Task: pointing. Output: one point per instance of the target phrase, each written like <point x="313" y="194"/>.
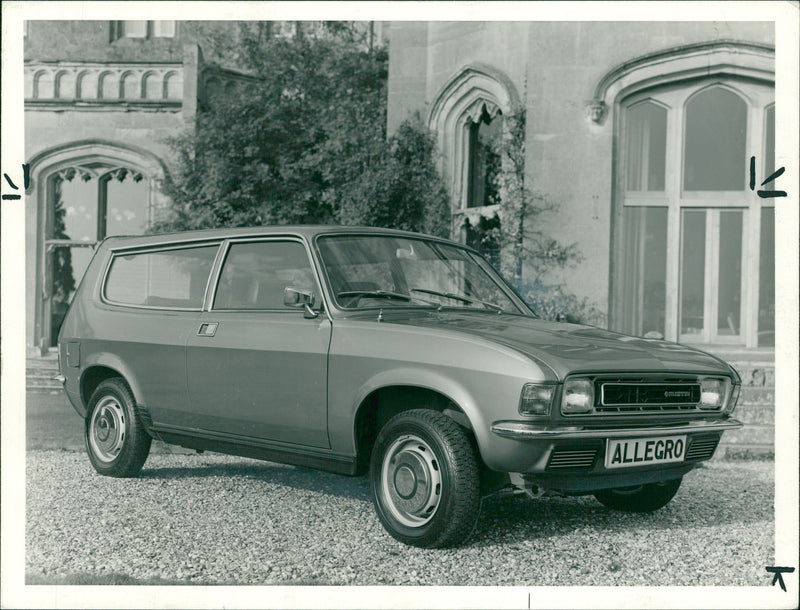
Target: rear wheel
<point x="425" y="482"/>
<point x="641" y="498"/>
<point x="116" y="441"/>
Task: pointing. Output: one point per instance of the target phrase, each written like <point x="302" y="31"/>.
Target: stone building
<point x="642" y="135"/>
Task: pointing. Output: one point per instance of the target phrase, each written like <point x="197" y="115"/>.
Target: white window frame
<point x="124" y="31"/>
<point x="158" y="28"/>
<point x="151" y="30"/>
<point x="758" y="96"/>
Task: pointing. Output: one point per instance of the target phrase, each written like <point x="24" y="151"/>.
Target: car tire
<point x="639" y="499"/>
<point x="425" y="479"/>
<point x="116" y="440"/>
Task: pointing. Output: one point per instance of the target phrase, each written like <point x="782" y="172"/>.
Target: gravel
<point x="214" y="519"/>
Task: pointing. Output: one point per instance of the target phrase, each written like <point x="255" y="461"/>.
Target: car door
<point x="256" y="368"/>
<point x="152" y="299"/>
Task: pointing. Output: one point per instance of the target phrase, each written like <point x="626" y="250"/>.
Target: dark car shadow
<point x="294" y="477"/>
<point x="518" y="518"/>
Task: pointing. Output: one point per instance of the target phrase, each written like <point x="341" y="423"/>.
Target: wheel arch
<point x="390" y="394"/>
<point x="105" y="367"/>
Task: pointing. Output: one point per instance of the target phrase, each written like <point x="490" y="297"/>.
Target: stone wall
<point x="90" y="82"/>
<point x="756" y="409"/>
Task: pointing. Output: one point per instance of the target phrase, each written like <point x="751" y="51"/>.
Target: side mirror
<point x="296" y="298"/>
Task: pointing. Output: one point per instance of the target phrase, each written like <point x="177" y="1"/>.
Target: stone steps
<point x="39" y="373"/>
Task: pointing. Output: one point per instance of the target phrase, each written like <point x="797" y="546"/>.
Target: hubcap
<point x="107" y="429"/>
<point x="411" y="481"/>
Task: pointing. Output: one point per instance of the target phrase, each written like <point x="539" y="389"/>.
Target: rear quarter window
<point x="165" y="278"/>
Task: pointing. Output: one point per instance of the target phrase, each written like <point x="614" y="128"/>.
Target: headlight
<point x="733" y="399"/>
<point x="578" y="396"/>
<point x="536" y="399"/>
<point x="713" y="393"/>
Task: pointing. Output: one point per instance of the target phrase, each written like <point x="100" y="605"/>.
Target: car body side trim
<point x="528" y="431"/>
<point x="261" y="449"/>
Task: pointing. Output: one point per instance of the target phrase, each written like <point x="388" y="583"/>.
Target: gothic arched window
<point x="695" y="262"/>
<point x="484" y="160"/>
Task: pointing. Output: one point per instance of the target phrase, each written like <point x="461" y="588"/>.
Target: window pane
<point x="769" y="144"/>
<point x="714" y="144"/>
<point x="164" y="29"/>
<point x="644" y="271"/>
<point x="693" y="265"/>
<point x="729" y="289"/>
<point x="75" y="209"/>
<point x="127" y="204"/>
<point x="68" y="264"/>
<point x="646" y="146"/>
<point x="255" y="275"/>
<point x="766" y="280"/>
<point x="484" y="236"/>
<point x="133" y="29"/>
<point x="484" y="161"/>
<point x="443" y="268"/>
<point x="174" y="278"/>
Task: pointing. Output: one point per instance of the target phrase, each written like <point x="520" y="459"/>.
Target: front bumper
<point x="528" y="431"/>
<point x="572" y="458"/>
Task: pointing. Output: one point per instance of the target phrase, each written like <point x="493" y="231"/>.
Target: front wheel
<point x="116" y="441"/>
<point x="641" y="498"/>
<point x="425" y="482"/>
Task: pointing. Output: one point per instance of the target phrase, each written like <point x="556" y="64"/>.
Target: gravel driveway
<point x="213" y="519"/>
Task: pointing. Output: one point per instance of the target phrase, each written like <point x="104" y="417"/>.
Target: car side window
<point x="255" y="274"/>
<point x="174" y="278"/>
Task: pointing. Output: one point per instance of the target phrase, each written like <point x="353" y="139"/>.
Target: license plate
<point x="644" y="451"/>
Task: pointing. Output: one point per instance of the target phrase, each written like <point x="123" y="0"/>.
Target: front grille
<point x="562" y="459"/>
<point x="645" y="394"/>
<point x="702" y="448"/>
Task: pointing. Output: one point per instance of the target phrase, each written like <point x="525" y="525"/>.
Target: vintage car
<point x="355" y="350"/>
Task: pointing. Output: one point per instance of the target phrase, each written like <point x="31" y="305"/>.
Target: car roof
<point x="306" y="231"/>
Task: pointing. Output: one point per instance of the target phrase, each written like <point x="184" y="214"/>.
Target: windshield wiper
<point x="385" y="294"/>
<point x="375" y="294"/>
<point x="460" y="297"/>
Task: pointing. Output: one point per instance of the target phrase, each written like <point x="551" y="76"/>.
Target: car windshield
<point x="368" y="271"/>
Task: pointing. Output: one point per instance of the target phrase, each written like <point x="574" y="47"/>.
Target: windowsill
<point x="485" y="210"/>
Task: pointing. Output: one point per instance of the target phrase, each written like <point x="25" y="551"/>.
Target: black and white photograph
<point x="400" y="304"/>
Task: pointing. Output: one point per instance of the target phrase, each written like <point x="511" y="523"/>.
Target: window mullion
<point x="672" y="184"/>
<point x="751" y="239"/>
<point x="711" y="298"/>
<point x="101" y="208"/>
<point x="748" y="314"/>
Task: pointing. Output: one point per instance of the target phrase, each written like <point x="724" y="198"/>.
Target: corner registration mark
<point x="644" y="451"/>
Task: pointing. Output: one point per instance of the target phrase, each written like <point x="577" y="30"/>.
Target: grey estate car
<point x="355" y="350"/>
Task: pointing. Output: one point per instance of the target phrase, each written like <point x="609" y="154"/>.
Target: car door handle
<point x="207" y="329"/>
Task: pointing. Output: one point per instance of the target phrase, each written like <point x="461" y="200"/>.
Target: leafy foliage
<point x="513" y="240"/>
<point x="553" y="302"/>
<point x="307" y="144"/>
